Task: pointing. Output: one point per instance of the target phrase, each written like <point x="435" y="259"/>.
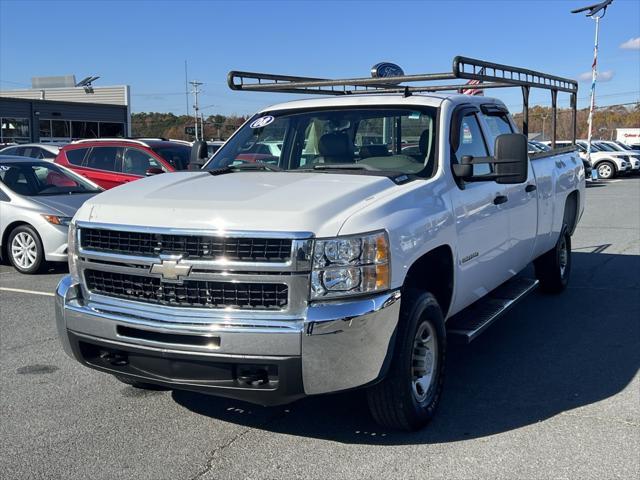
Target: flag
<point x="473" y="91"/>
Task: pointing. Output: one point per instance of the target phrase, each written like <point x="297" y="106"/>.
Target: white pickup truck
<point x="389" y="224"/>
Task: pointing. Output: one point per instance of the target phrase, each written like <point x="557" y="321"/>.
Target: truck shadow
<point x="549" y="355"/>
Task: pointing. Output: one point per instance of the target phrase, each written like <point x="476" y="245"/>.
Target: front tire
<point x="606" y="170"/>
<point x="406" y="399"/>
<point x="25" y="250"/>
<point x="554" y="267"/>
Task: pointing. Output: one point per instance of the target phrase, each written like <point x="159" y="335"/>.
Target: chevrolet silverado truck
<point x="393" y="220"/>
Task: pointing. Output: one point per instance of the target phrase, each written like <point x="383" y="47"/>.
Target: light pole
<point x="593" y="11"/>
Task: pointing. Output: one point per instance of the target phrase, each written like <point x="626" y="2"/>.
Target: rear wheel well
<point x="571" y="211"/>
<point x="433" y="272"/>
<point x="4" y="253"/>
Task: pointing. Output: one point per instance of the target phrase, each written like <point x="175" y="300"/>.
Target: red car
<point x="112" y="162"/>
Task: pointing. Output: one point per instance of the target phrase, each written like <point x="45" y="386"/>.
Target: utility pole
<point x="196" y="90"/>
<point x="592" y="11"/>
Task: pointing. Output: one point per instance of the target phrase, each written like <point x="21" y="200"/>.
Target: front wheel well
<point x="4" y="253"/>
<point x="433" y="272"/>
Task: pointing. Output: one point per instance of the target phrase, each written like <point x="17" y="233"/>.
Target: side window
<point x="472" y="143"/>
<point x="47" y="154"/>
<point x="76" y="156"/>
<point x="498" y="125"/>
<point x="104" y="158"/>
<point x="137" y="162"/>
<point x="10" y="151"/>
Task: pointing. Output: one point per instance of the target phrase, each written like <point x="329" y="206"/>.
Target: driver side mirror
<point x="153" y="171"/>
<point x="510" y="162"/>
<point x="199" y="155"/>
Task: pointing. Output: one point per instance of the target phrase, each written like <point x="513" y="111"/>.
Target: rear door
<point x="481" y="218"/>
<point x="522" y="204"/>
<point x="102" y="165"/>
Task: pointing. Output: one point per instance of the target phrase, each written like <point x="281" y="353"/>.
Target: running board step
<point x="476" y="318"/>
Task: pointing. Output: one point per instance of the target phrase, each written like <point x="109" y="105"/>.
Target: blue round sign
<point x="386" y="69"/>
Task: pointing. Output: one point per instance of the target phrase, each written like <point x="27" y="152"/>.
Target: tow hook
<point x="254" y="376"/>
<point x="115" y="359"/>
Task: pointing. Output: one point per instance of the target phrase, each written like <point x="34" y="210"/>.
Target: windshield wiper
<point x="339" y="166"/>
<point x="245" y="167"/>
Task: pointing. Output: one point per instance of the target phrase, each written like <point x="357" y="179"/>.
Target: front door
<point x="482" y="223"/>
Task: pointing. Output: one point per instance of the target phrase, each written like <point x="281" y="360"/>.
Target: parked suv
<point x="112" y="162"/>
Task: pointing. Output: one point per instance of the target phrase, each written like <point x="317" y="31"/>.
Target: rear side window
<point x="10" y="151"/>
<point x="104" y="158"/>
<point x="76" y="156"/>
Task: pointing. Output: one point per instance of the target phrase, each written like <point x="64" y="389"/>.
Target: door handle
<point x="500" y="199"/>
<point x="530" y="188"/>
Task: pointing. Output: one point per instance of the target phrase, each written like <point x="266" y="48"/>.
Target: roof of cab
<point x="430" y="100"/>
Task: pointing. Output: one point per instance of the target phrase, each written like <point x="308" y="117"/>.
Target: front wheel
<point x="553" y="268"/>
<point x="406" y="399"/>
<point x="25" y="250"/>
<point x="606" y="170"/>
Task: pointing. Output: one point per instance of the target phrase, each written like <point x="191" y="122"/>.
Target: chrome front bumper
<point x="337" y="346"/>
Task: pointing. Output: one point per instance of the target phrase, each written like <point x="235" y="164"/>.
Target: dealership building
<point x="56" y="110"/>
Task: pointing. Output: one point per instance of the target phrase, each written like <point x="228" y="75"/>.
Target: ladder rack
<point x="486" y="74"/>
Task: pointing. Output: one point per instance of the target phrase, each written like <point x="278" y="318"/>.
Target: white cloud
<point x="631" y="44"/>
<point x="604" y="76"/>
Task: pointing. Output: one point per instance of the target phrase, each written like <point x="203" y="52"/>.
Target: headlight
<point x="72" y="253"/>
<point x="352" y="265"/>
<point x="57" y="220"/>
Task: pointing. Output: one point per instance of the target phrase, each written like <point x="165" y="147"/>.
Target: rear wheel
<point x="553" y="268"/>
<point x="407" y="397"/>
<point x="25" y="250"/>
<point x="606" y="170"/>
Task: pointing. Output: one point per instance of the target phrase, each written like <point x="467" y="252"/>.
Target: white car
<point x="342" y="264"/>
<point x="632" y="155"/>
<point x="37" y="201"/>
<point x="44" y="151"/>
<point x="607" y="164"/>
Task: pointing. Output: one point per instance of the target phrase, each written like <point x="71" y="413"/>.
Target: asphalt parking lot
<point x="551" y="391"/>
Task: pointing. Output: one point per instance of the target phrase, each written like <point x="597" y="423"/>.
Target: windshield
<point x="392" y="139"/>
<point x="606" y="148"/>
<point x="34" y="179"/>
<point x="176" y="155"/>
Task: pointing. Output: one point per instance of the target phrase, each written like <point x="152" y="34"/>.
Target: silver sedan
<point x="37" y="201"/>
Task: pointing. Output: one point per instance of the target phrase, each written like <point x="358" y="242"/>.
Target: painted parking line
<point x="31" y="292"/>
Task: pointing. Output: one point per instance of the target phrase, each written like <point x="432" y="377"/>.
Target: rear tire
<point x="406" y="399"/>
<point x="554" y="267"/>
<point x="606" y="170"/>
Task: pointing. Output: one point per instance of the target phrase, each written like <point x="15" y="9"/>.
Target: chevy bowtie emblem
<point x="170" y="268"/>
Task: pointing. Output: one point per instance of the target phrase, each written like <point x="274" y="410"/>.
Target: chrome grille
<point x="191" y="246"/>
<point x="190" y="293"/>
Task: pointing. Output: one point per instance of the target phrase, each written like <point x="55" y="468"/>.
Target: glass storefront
<point x="14" y="130"/>
<point x="66" y="130"/>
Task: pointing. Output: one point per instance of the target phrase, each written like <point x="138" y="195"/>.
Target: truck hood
<point x="318" y="203"/>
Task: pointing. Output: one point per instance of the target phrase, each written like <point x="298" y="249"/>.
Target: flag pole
<point x="594" y="77"/>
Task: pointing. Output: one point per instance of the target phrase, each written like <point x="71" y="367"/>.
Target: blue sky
<point x="144" y="44"/>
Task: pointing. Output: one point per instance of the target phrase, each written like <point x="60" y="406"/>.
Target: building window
<point x="60" y="129"/>
<point x="108" y="129"/>
<point x="14" y="130"/>
<point x="45" y="129"/>
<point x="84" y="130"/>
